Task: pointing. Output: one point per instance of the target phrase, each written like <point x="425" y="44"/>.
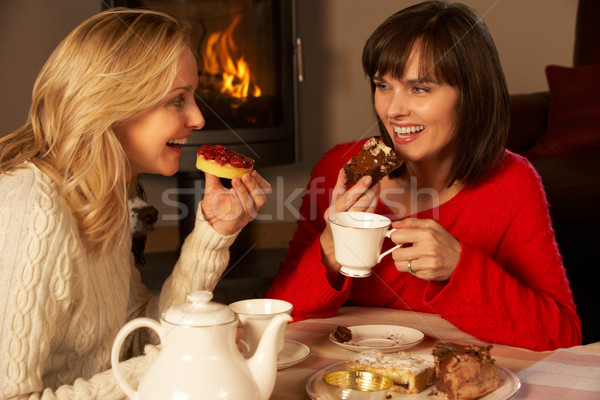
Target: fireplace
<point x="246" y="53"/>
<point x="248" y="60"/>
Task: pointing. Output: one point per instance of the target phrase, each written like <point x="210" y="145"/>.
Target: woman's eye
<point x="420" y="89"/>
<point x="380" y="85"/>
<point x="177" y="102"/>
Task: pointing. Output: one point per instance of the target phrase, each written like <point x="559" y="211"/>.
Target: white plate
<point x="385" y="338"/>
<point x="293" y="352"/>
<point x="508" y="387"/>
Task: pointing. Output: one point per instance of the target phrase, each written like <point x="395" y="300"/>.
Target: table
<point x="572" y="373"/>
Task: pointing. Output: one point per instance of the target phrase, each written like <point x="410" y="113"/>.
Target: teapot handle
<point x="116" y="350"/>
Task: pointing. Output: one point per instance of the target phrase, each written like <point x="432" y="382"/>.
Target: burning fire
<point x="238" y="80"/>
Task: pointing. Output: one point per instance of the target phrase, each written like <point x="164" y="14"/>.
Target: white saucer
<point x="508" y="387"/>
<point x="293" y="353"/>
<point x="385" y="338"/>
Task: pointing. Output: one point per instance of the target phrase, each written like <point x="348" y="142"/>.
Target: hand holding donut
<point x="229" y="210"/>
<point x="434" y="253"/>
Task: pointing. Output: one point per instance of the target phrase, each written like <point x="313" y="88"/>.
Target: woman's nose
<point x="398" y="105"/>
<point x="195" y="118"/>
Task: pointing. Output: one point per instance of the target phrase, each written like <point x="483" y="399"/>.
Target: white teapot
<point x="199" y="357"/>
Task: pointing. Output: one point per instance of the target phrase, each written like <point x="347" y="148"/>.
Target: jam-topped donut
<point x="223" y="162"/>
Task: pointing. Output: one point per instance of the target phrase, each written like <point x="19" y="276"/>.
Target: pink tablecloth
<point x="572" y="373"/>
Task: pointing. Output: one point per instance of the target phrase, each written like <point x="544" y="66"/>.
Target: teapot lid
<point x="199" y="311"/>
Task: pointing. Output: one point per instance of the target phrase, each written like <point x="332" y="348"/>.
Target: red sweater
<point x="509" y="286"/>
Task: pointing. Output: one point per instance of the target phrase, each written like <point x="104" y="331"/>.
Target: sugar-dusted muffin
<point x="411" y="373"/>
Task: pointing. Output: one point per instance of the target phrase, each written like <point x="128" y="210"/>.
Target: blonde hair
<point x="111" y="68"/>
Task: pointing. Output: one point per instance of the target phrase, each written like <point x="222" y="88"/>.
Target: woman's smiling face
<point x="418" y="113"/>
<point x="152" y="141"/>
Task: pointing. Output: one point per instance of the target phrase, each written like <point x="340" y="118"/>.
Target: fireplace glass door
<point x="237" y="64"/>
<point x="245" y="50"/>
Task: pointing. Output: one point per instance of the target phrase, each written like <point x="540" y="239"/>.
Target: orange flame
<point x="238" y="80"/>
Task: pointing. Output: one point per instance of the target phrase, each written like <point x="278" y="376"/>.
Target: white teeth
<point x="407" y="130"/>
<point x="178" y="141"/>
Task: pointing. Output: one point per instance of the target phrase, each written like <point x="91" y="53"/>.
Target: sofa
<point x="559" y="132"/>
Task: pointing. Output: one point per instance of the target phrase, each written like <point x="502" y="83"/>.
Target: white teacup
<point x="255" y="315"/>
<point x="357" y="241"/>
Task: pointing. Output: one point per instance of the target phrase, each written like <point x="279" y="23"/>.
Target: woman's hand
<point x="229" y="210"/>
<point x="434" y="253"/>
<point x="360" y="197"/>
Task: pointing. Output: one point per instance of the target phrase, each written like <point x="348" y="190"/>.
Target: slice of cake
<point x="464" y="372"/>
<point x="375" y="159"/>
<point x="343" y="334"/>
<point x="411" y="373"/>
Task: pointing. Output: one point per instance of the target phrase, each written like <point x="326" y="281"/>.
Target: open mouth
<point x="176" y="143"/>
<point x="405" y="132"/>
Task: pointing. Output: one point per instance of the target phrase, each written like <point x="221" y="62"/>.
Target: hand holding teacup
<point x="434" y="253"/>
<point x="361" y="197"/>
<point x="357" y="239"/>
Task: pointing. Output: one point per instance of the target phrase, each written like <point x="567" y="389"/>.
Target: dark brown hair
<point x="457" y="50"/>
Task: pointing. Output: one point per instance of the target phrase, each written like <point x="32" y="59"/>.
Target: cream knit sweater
<point x="61" y="307"/>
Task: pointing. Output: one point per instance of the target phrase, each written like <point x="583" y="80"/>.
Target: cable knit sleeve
<point x="204" y="257"/>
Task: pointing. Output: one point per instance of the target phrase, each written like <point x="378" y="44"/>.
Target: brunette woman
<point x="479" y="245"/>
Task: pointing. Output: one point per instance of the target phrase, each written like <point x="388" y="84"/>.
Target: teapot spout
<point x="263" y="364"/>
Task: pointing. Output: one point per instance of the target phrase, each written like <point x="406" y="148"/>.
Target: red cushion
<point x="574" y="115"/>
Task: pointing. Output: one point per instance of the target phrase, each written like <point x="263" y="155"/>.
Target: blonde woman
<point x="115" y="99"/>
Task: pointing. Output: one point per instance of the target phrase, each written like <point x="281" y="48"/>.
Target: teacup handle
<point x="388" y="235"/>
<point x="245" y="348"/>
